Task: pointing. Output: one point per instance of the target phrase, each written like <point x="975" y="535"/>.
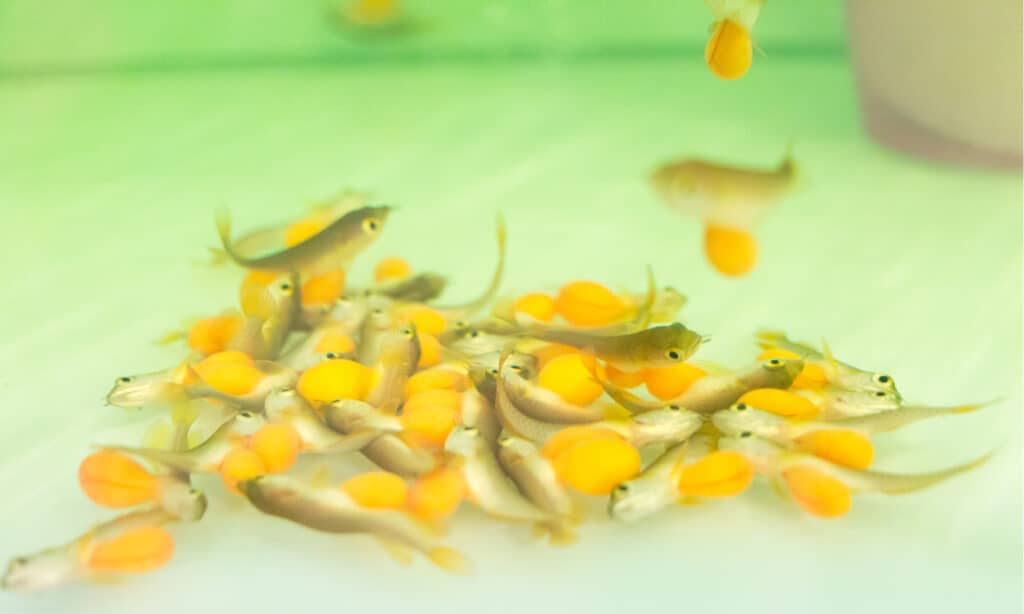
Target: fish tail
<point x="223" y="221"/>
<point x="788" y="167"/>
<point x="966" y="409"/>
<point x="171" y="336"/>
<point x="767" y="339"/>
<point x="218" y="257"/>
<point x="450" y="560"/>
<point x="893" y="484"/>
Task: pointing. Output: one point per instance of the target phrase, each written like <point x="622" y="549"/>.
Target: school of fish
<point x="526" y="407"/>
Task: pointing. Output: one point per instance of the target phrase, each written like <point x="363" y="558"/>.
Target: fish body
<point x="144" y="389"/>
<point x="330" y="249"/>
<point x="275" y="376"/>
<point x="535" y="478"/>
<point x="658" y="346"/>
<point x="398" y="359"/>
<point x="385" y="448"/>
<point x="285" y="406"/>
<point x="655" y="488"/>
<point x="542" y="404"/>
<point x="836" y="403"/>
<point x="272" y="312"/>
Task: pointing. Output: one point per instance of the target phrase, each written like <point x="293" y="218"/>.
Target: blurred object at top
<point x="730" y="48"/>
<point x="941" y="79"/>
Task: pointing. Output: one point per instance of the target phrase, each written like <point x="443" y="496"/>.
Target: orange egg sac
<point x="730" y="251"/>
<point x="729" y="51"/>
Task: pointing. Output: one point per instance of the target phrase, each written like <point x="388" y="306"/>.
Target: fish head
<point x="634" y="500"/>
<point x="464" y="441"/>
<point x="852" y="403"/>
<point x="42" y="570"/>
<point x="775" y="373"/>
<point x="279" y="400"/>
<point x="515" y="448"/>
<point x="352" y="414"/>
<point x="669" y="424"/>
<point x="855" y="379"/>
<point x="760" y="452"/>
<point x="678" y="182"/>
<point x="181" y="500"/>
<point x="471" y="341"/>
<point x="740" y="417"/>
<point x="667" y="345"/>
<point x="367" y="222"/>
<point x="347" y="312"/>
<point x="247" y="422"/>
<point x="134" y="391"/>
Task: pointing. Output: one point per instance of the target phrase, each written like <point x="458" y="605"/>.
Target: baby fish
<point x="655" y="347"/>
<point x="824" y="488"/>
<point x="836" y="403"/>
<point x="836" y="373"/>
<point x="478" y="412"/>
<point x="285" y="406"/>
<point x="241" y="384"/>
<point x="419" y="288"/>
<point x="891" y="420"/>
<point x="207" y="456"/>
<point x="397" y="361"/>
<point x="655" y="488"/>
<point x="377" y="323"/>
<point x="272" y="312"/>
<point x="472" y="341"/>
<point x="729" y="200"/>
<point x="542" y="404"/>
<point x="387" y="450"/>
<point x="330" y="249"/>
<point x="716" y="391"/>
<point x="487" y="485"/>
<point x="144" y="389"/>
<point x="132" y="543"/>
<point x="534" y="476"/>
<point x="331" y="510"/>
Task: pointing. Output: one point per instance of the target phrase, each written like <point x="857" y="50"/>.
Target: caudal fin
<point x="450" y="560"/>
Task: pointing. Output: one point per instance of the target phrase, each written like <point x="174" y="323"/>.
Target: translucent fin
<point x="827" y="352"/>
<point x="712" y="368"/>
<point x="159" y="435"/>
<point x="401" y="553"/>
<point x="450" y="560"/>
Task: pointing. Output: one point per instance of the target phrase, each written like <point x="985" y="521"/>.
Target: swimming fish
<point x="836" y="403"/>
<point x="714" y="391"/>
<point x="729" y="201"/>
<point x="487" y="484"/>
<point x="135" y="542"/>
<point x="419" y="288"/>
<point x="399" y="355"/>
<point x="207" y="456"/>
<point x="330" y="249"/>
<point x="240" y="384"/>
<point x="387" y="450"/>
<point x="535" y="478"/>
<point x="655" y="488"/>
<point x="824" y="488"/>
<point x="144" y="389"/>
<point x="654" y="347"/>
<point x="271" y="314"/>
<point x="285" y="406"/>
<point x="331" y="510"/>
<point x="729" y="51"/>
<point x="377" y="323"/>
<point x="466" y="310"/>
<point x="478" y="412"/>
<point x="542" y="404"/>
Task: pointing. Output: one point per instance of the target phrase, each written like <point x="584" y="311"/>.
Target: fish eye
<point x="746" y="434"/>
<point x="516" y="367"/>
<point x="192" y="492"/>
<point x="406" y="332"/>
<point x="883" y="379"/>
<point x="773" y="363"/>
<point x="378" y="311"/>
<point x="622" y="488"/>
<point x="371" y="224"/>
<point x="330" y="355"/>
<point x="287" y="390"/>
<point x="673" y="354"/>
<point x="473" y="334"/>
<point x="674" y="408"/>
<point x="19" y="562"/>
<point x="285" y="286"/>
<point x="124" y="380"/>
<point x="741" y="407"/>
<point x="492" y="371"/>
<point x="460" y="324"/>
<point x="471" y="431"/>
<point x="245" y="414"/>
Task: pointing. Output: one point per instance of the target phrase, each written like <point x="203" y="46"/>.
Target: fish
<point x="658" y="346"/>
<point x="465" y="310"/>
<point x="377" y="323"/>
<point x="418" y="288"/>
<point x="714" y="391"/>
<point x="535" y="478"/>
<point x="333" y="247"/>
<point x="655" y="488"/>
<point x="270" y="377"/>
<point x="207" y="456"/>
<point x="145" y="389"/>
<point x="271" y="314"/>
<point x="837" y="373"/>
<point x="664" y="425"/>
<point x="836" y="403"/>
<point x="131" y="543"/>
<point x="728" y="200"/>
<point x="542" y="404"/>
<point x="478" y="412"/>
<point x="467" y="340"/>
<point x="331" y="510"/>
<point x="398" y="358"/>
<point x="387" y="450"/>
<point x="486" y="483"/>
<point x="285" y="406"/>
<point x="907" y="414"/>
<point x="824" y="488"/>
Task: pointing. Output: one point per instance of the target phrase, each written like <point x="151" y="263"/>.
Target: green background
<point x="124" y="126"/>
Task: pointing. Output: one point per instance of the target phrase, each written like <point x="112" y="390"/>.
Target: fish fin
<point x="106" y="578"/>
<point x="269" y="328"/>
<point x="539" y="531"/>
<point x="827" y="352"/>
<point x="223" y="222"/>
<point x="172" y="336"/>
<point x="321" y="477"/>
<point x="401" y="553"/>
<point x="450" y="560"/>
<point x="712" y="368"/>
<point x="159" y="435"/>
<point x="966" y="409"/>
<point x="767" y="339"/>
<point x="577" y="513"/>
<point x="559" y="534"/>
<point x="898" y="484"/>
<point x="779" y="487"/>
<point x="217" y="257"/>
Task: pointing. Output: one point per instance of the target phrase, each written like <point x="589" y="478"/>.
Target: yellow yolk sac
<point x="138" y="551"/>
<point x="335" y="379"/>
<point x="335" y="341"/>
<point x="377" y="490"/>
<point x="229" y="357"/>
<point x="780" y="402"/>
<point x="373" y="12"/>
<point x="551" y="351"/>
<point x="259" y="278"/>
<point x="324" y="288"/>
<point x="729" y="51"/>
<point x="230" y="376"/>
<point x="302" y="230"/>
<point x="428" y="321"/>
<point x="435" y="379"/>
<point x="723" y="473"/>
<point x="731" y="251"/>
<point x="812" y="376"/>
<point x="671" y="381"/>
<point x="431" y="415"/>
<point x="211" y="335"/>
<point x="112" y="479"/>
<point x="842" y="447"/>
<point x="569" y="378"/>
<point x="437" y="494"/>
<point x="430" y="351"/>
<point x="570" y="436"/>
<point x="624" y="379"/>
<point x="587" y="303"/>
<point x="277" y="446"/>
<point x="391" y="269"/>
<point x="537" y="305"/>
<point x="595" y="466"/>
<point x="817" y="493"/>
<point x="239" y="465"/>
